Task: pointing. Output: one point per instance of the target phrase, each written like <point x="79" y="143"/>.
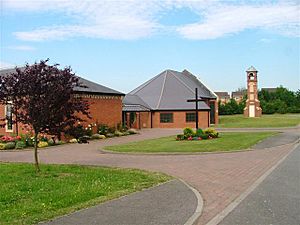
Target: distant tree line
<point x="281" y="101"/>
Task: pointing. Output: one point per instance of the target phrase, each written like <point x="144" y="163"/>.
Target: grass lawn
<point x="275" y="120"/>
<point x="226" y="142"/>
<point x="27" y="197"/>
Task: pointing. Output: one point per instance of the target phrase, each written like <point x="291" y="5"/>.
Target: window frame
<point x="164" y="121"/>
<point x="186" y="117"/>
<point x="7" y="129"/>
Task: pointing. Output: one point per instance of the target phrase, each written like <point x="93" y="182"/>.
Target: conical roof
<point x="170" y="90"/>
<point x="251" y="69"/>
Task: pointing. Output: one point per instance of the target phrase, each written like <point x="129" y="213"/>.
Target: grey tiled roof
<point x="222" y="94"/>
<point x="90" y="87"/>
<point x="170" y="90"/>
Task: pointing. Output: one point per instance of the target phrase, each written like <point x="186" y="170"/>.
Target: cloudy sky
<point x="121" y="44"/>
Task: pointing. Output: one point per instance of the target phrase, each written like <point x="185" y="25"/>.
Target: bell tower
<point x="252" y="108"/>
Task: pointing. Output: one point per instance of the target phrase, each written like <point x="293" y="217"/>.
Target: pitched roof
<point x="170" y="90"/>
<point x="222" y="94"/>
<point x="251" y="69"/>
<point x="90" y="87"/>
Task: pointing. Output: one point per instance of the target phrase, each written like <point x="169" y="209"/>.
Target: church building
<point x="105" y="105"/>
<point x="162" y="102"/>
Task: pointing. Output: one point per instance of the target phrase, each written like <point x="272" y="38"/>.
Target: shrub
<point x="42" y="144"/>
<point x="102" y="129"/>
<point x="118" y="133"/>
<point x="102" y="136"/>
<point x="180" y="137"/>
<point x="204" y="136"/>
<point x="2" y="146"/>
<point x="60" y="142"/>
<point x="109" y="135"/>
<point x="211" y="132"/>
<point x="111" y="130"/>
<point x="10" y="145"/>
<point x="132" y="131"/>
<point x="83" y="139"/>
<point x="96" y="136"/>
<point x="43" y="138"/>
<point x="74" y="140"/>
<point x="126" y="133"/>
<point x="51" y="142"/>
<point x="20" y="145"/>
<point x="188" y="132"/>
<point x="199" y="132"/>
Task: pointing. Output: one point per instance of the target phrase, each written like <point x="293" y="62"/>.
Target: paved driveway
<point x="220" y="178"/>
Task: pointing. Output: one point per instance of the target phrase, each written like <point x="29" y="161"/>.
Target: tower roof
<point x="251" y="69"/>
<point x="170" y="90"/>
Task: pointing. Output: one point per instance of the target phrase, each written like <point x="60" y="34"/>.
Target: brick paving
<point x="220" y="178"/>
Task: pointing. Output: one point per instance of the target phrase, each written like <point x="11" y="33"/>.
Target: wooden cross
<point x="196" y="100"/>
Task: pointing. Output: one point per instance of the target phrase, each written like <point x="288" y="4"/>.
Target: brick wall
<point x="179" y="120"/>
<point x="103" y="109"/>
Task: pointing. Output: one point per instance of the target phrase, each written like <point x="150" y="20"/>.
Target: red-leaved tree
<point x="44" y="98"/>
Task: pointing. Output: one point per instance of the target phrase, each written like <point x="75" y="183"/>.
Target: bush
<point x="188" y="132"/>
<point x="102" y="129"/>
<point x="83" y="139"/>
<point x="199" y="132"/>
<point x="74" y="140"/>
<point x="20" y="145"/>
<point x="211" y="132"/>
<point x="2" y="146"/>
<point x="10" y="145"/>
<point x="51" y="142"/>
<point x="293" y="109"/>
<point x="60" y="142"/>
<point x="204" y="136"/>
<point x="126" y="133"/>
<point x="118" y="133"/>
<point x="96" y="136"/>
<point x="180" y="137"/>
<point x="132" y="131"/>
<point x="109" y="135"/>
<point x="42" y="144"/>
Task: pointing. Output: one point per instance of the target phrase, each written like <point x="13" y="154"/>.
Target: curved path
<point x="158" y="205"/>
<point x="220" y="178"/>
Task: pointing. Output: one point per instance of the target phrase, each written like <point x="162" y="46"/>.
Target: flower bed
<point x="190" y="135"/>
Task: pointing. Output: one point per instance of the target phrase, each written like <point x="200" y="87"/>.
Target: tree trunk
<point x="36" y="159"/>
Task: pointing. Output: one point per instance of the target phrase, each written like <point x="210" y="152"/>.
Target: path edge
<point x="198" y="211"/>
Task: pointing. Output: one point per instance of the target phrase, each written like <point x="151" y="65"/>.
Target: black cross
<point x="196" y="100"/>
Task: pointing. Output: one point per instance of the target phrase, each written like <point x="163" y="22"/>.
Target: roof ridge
<point x="134" y="91"/>
<point x="162" y="89"/>
<point x="183" y="82"/>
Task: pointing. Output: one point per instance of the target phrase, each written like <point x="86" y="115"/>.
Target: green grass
<point x="28" y="198"/>
<point x="226" y="142"/>
<point x="275" y="120"/>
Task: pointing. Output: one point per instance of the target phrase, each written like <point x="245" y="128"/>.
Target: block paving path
<point x="220" y="178"/>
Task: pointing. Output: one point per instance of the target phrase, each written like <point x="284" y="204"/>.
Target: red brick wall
<point x="103" y="109"/>
<point x="179" y="120"/>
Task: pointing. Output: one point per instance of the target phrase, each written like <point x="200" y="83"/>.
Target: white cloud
<point x="5" y="65"/>
<point x="133" y="19"/>
<point x="224" y="20"/>
<point x="21" y="48"/>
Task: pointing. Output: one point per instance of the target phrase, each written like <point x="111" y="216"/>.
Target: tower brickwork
<point x="252" y="108"/>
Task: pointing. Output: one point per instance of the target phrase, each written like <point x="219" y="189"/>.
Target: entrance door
<point x="251" y="110"/>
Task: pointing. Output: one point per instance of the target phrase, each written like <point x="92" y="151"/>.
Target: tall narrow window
<point x="166" y="117"/>
<point x="9" y="118"/>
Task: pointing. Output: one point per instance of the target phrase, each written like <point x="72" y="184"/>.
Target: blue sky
<point x="122" y="44"/>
